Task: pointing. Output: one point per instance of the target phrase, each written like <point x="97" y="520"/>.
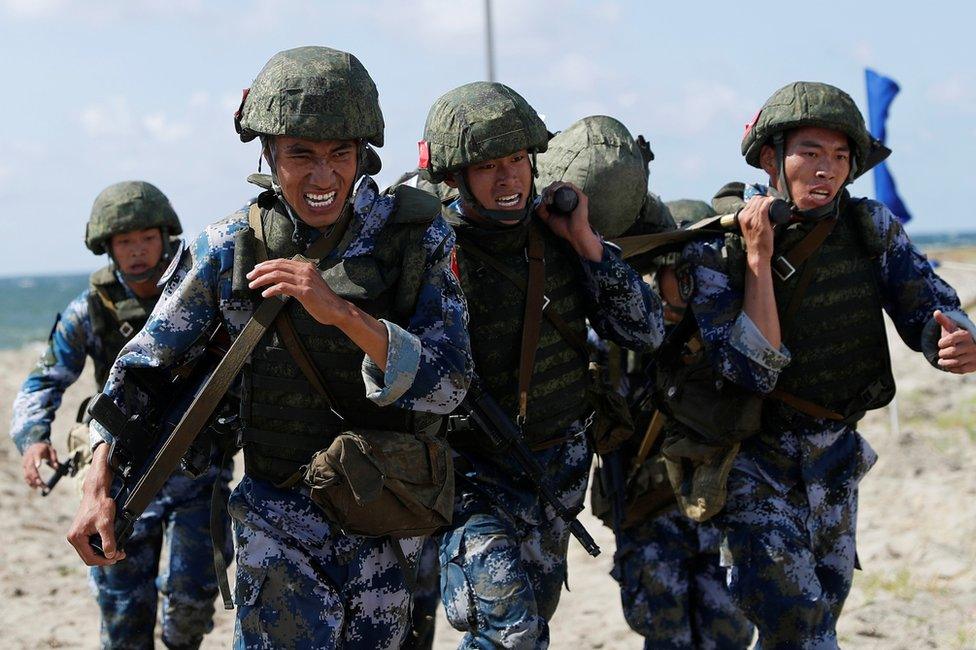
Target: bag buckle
<point x="783" y="269"/>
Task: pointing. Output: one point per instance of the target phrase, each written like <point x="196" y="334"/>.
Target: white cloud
<point x="863" y="53"/>
<point x="117" y="120"/>
<point x="113" y="118"/>
<point x="32" y="8"/>
<point x="162" y="128"/>
<point x="957" y="91"/>
<point x="199" y="99"/>
<point x="577" y="73"/>
<point x="699" y="106"/>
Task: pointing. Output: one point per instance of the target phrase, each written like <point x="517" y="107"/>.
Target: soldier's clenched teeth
<point x="320" y="200"/>
<point x="510" y="201"/>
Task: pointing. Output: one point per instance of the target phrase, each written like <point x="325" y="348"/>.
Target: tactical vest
<point x="837" y="337"/>
<point x="115" y="317"/>
<point x="285" y="420"/>
<point x="557" y="392"/>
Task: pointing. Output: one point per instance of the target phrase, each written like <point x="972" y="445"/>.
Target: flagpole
<point x="489" y="45"/>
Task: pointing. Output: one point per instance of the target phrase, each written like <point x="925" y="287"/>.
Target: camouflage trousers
<point x="790" y="544"/>
<point x="501" y="577"/>
<point x="301" y="583"/>
<point x="425" y="598"/>
<point x="673" y="589"/>
<point x="178" y="520"/>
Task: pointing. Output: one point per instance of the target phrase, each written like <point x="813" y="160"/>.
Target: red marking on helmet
<point x="240" y="110"/>
<point x="454" y="265"/>
<point x="424" y="161"/>
<point x="751" y="123"/>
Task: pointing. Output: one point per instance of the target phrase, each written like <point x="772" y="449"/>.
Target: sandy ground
<point x="917" y="530"/>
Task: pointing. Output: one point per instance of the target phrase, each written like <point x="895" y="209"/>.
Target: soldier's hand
<point x="96" y="514"/>
<point x="34" y="455"/>
<point x="303" y="282"/>
<point x="957" y="350"/>
<point x="757" y="231"/>
<point x="576" y="227"/>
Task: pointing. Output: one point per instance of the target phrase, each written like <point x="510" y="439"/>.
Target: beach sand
<point x="917" y="530"/>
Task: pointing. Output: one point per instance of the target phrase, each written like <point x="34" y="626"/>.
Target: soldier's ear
<point x="767" y="160"/>
<point x="449" y="181"/>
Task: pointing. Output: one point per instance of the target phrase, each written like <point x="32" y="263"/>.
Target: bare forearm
<point x="366" y="332"/>
<point x="98" y="480"/>
<point x="759" y="301"/>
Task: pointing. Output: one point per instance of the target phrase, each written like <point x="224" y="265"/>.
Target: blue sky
<point x="102" y="91"/>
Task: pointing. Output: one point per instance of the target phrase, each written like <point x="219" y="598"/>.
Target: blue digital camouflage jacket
<point x="429" y="360"/>
<point x="910" y="291"/>
<point x="72" y="340"/>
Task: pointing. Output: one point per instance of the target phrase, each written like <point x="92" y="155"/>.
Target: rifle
<point x="487" y="416"/>
<point x="68" y="468"/>
<point x="140" y="464"/>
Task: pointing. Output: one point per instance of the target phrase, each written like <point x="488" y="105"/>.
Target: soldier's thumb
<point x="948" y="325"/>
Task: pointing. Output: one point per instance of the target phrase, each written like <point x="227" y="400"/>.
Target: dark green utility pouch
<point x="378" y="483"/>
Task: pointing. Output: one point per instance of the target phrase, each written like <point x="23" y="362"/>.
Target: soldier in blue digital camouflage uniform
<point x="672" y="586"/>
<point x="809" y="335"/>
<point x="134" y="223"/>
<point x="503" y="562"/>
<point x="301" y="581"/>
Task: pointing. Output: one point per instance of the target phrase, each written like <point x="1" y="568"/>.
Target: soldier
<point x="672" y="586"/>
<point x="375" y="331"/>
<point x="503" y="561"/>
<point x="136" y="225"/>
<point x="795" y="314"/>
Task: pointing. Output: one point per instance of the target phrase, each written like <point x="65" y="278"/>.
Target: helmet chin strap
<point x="832" y="209"/>
<point x="498" y="215"/>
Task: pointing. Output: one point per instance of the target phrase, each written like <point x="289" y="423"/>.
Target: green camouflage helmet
<point x="314" y="93"/>
<point x="687" y="212"/>
<point x="476" y="122"/>
<point x="806" y="103"/>
<point x="599" y="156"/>
<point x="654" y="218"/>
<point x="128" y="206"/>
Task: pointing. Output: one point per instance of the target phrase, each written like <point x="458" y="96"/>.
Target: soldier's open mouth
<point x="510" y="201"/>
<point x="321" y="200"/>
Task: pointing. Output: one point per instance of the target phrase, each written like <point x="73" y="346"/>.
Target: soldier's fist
<point x="957" y="349"/>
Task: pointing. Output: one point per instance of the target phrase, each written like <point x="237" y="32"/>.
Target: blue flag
<point x="881" y="92"/>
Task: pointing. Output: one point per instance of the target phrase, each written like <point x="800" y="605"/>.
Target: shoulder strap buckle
<point x="783" y="269"/>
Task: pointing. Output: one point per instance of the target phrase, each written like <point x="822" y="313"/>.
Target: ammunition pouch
<point x="715" y="411"/>
<point x="612" y="423"/>
<point x="378" y="483"/>
<point x="698" y="473"/>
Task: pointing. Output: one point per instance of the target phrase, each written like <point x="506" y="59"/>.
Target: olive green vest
<point x="115" y="317"/>
<point x="557" y="392"/>
<point x="837" y="337"/>
<point x="286" y="420"/>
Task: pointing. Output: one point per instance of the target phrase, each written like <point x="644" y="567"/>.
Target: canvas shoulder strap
<point x="557" y="321"/>
<point x="532" y="320"/>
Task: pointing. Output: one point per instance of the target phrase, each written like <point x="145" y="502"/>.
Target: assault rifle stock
<point x="146" y="450"/>
<point x="487" y="416"/>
